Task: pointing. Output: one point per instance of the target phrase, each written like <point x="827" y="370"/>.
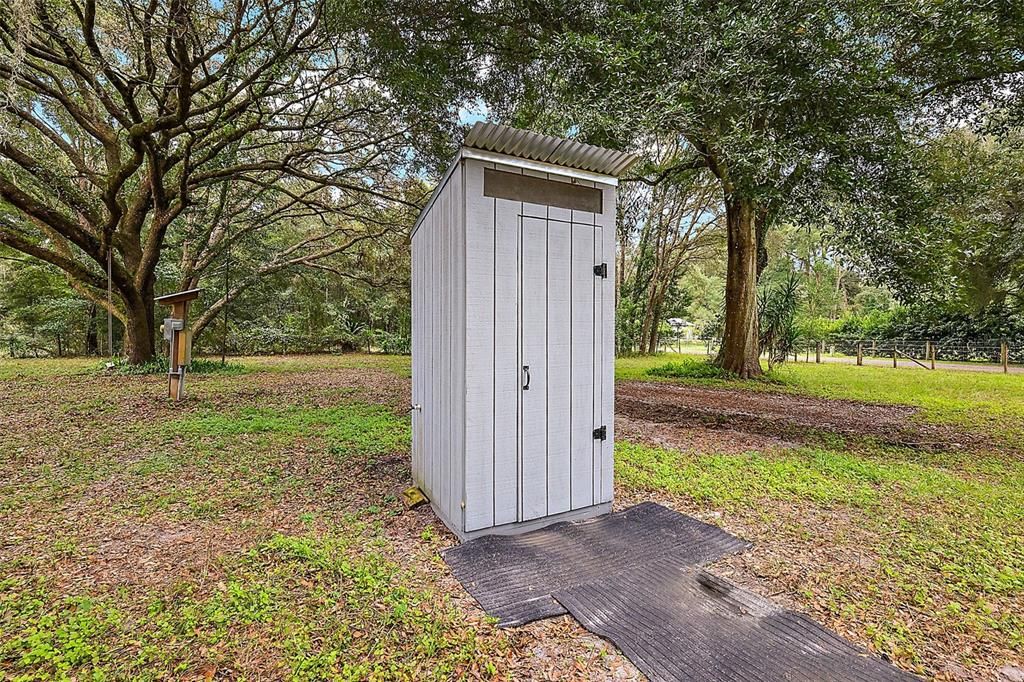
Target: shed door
<point x="560" y="355"/>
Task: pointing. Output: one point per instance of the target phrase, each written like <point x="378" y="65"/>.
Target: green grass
<point x="279" y="506"/>
<point x="349" y="429"/>
<point x="332" y="606"/>
<point x="945" y="396"/>
<point x="946" y="541"/>
<point x="44" y="367"/>
<point x="60" y="367"/>
<point x="730" y="480"/>
<point x="160" y="366"/>
<point x="400" y="365"/>
<point x="319" y="576"/>
<point x="688" y="368"/>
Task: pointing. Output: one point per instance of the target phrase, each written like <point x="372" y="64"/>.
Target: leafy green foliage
<point x="161" y="365"/>
<point x="69" y="638"/>
<point x="689" y="368"/>
<point x="332" y="608"/>
<point x="315" y="312"/>
<point x="39" y="312"/>
<point x="663" y="232"/>
<point x="958" y="250"/>
<point x="776" y="309"/>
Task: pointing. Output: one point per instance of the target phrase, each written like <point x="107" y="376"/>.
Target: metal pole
<point x="227" y="284"/>
<point x="110" y="307"/>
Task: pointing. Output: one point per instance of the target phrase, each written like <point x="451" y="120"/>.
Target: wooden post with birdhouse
<point x="178" y="335"/>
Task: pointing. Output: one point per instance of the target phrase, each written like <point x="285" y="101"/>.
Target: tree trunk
<point x="92" y="339"/>
<point x="653" y="332"/>
<point x="645" y="329"/>
<point x="140" y="327"/>
<point x="740" y="353"/>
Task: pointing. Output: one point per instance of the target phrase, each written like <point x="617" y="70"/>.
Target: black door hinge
<point x="601" y="270"/>
<point x="601" y="433"/>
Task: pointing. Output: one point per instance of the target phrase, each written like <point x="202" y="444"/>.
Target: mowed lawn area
<point x="255" y="530"/>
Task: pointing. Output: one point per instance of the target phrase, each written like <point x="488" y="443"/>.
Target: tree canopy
<point x="133" y="129"/>
<point x="225" y="144"/>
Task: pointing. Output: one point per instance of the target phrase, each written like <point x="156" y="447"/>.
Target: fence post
<point x="1005" y="348"/>
<point x="894" y="365"/>
<point x="935" y="351"/>
<point x="874" y="347"/>
<point x="860" y="353"/>
<point x="817" y="352"/>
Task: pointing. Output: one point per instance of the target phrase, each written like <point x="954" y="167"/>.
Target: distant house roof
<point x="548" y="149"/>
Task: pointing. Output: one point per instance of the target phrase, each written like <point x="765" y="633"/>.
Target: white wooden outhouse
<point x="513" y="305"/>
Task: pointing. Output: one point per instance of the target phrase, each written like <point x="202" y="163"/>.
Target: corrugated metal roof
<point x="548" y="149"/>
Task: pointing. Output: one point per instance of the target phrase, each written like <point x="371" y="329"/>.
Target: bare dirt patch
<point x="767" y="418"/>
<point x="310" y="388"/>
<point x="695" y="438"/>
<point x="883" y="573"/>
<point x="549" y="649"/>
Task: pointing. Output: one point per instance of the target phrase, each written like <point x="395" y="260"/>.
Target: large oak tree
<point x="783" y="103"/>
<point x="130" y="129"/>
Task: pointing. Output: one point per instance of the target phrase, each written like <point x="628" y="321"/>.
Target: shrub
<point x="689" y="369"/>
<point x="160" y="366"/>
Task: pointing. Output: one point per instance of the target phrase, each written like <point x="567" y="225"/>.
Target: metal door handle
<point x="526" y="370"/>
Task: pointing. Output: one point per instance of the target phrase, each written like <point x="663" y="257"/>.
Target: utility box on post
<point x="178" y="335"/>
<point x="513" y="299"/>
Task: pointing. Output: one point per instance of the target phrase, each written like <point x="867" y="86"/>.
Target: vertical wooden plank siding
<point x="417" y="359"/>
<point x="439" y="350"/>
<point x="437" y="404"/>
<point x="457" y="371"/>
<point x="499" y="284"/>
<point x="431" y="408"/>
<point x="414" y="267"/>
<point x="480" y="340"/>
<point x="559" y="376"/>
<point x="597" y="402"/>
<point x="607" y="373"/>
<point x="533" y="340"/>
<point x="479" y="350"/>
<point x="582" y="365"/>
<point x="426" y="358"/>
<point x="507" y="361"/>
<point x="444" y="294"/>
<point x="584" y="348"/>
